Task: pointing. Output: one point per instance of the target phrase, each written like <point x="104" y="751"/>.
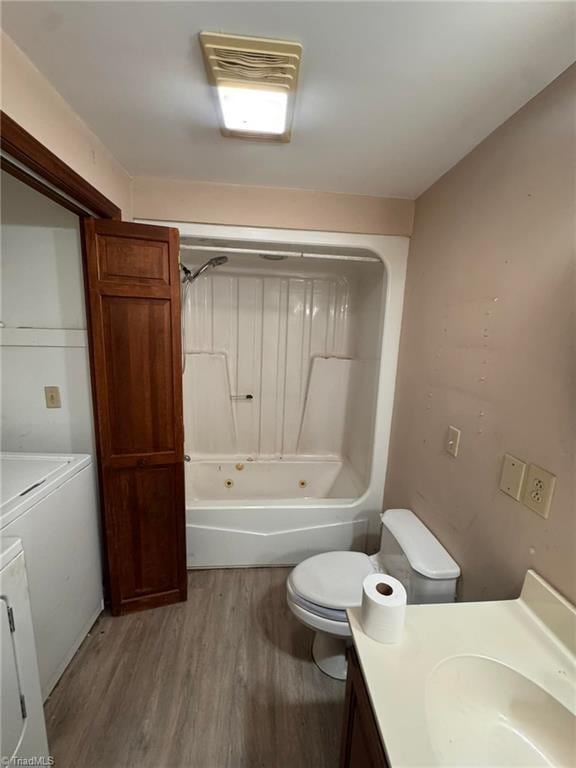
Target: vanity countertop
<point x="464" y="673"/>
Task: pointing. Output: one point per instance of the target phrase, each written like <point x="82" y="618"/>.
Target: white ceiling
<point x="392" y="94"/>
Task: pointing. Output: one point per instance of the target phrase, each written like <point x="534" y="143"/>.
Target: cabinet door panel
<point x="132" y="278"/>
<point x="361" y="744"/>
<point x="138" y="261"/>
<point x="138" y="342"/>
<point x="142" y="521"/>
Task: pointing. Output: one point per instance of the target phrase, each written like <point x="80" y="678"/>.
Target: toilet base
<point x="329" y="654"/>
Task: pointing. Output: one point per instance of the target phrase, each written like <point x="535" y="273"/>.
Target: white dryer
<point x="23" y="730"/>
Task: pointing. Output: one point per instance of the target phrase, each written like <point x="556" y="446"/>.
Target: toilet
<point x="320" y="588"/>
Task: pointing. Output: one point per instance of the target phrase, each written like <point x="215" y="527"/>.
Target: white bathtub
<point x="272" y="512"/>
<point x="298" y="479"/>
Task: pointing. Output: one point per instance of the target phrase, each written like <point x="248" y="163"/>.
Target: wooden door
<point x="133" y="290"/>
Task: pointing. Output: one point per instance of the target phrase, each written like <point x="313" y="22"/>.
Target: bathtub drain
<point x="302" y="483"/>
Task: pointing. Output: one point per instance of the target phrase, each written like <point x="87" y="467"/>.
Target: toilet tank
<point x="413" y="555"/>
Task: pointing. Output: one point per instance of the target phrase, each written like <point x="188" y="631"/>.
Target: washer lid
<point x="333" y="579"/>
<point x="21" y="474"/>
<point x="424" y="552"/>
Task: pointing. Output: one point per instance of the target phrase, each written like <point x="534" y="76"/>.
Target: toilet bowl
<point x="322" y="587"/>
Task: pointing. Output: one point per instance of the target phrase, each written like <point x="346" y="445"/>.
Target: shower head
<point x="189" y="276"/>
<point x="217" y="261"/>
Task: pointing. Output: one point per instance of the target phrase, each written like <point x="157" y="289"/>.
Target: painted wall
<point x="33" y="103"/>
<point x="204" y="203"/>
<point x="43" y="337"/>
<point x="488" y="346"/>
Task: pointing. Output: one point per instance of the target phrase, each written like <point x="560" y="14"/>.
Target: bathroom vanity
<point x="361" y="744"/>
<point x="477" y="684"/>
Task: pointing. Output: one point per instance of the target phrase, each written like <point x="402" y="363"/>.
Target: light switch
<point x="52" y="395"/>
<point x="452" y="441"/>
<point x="512" y="476"/>
<point x="538" y="490"/>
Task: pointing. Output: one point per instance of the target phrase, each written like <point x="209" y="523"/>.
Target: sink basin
<point x="483" y="713"/>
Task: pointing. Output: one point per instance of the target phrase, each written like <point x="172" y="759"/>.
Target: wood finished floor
<point x="223" y="681"/>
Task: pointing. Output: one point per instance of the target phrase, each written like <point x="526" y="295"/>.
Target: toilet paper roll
<point x="383" y="607"/>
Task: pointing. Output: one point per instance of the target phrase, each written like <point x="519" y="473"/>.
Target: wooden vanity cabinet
<point x="361" y="744"/>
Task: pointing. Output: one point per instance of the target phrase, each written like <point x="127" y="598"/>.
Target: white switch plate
<point x="538" y="490"/>
<point x="52" y="395"/>
<point x="512" y="476"/>
<point x="452" y="441"/>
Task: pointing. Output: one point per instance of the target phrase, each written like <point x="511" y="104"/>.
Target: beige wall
<point x="200" y="202"/>
<point x="488" y="345"/>
<point x="31" y="101"/>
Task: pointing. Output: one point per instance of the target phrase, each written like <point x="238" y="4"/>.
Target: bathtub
<point x="245" y="479"/>
<point x="244" y="512"/>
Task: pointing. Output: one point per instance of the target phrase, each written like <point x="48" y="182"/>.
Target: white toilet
<point x="322" y="587"/>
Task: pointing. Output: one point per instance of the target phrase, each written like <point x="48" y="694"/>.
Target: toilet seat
<point x="315" y="621"/>
<point x="329" y="583"/>
<point x="334" y="614"/>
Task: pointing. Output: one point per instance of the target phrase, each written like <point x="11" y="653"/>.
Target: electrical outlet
<point x="512" y="476"/>
<point x="52" y="395"/>
<point x="538" y="490"/>
<point x="452" y="443"/>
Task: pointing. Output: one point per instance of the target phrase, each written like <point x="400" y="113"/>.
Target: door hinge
<point x="11" y="622"/>
<point x="23" y="706"/>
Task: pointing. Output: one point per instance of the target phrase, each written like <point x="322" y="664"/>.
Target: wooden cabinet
<point x="133" y="288"/>
<point x="361" y="743"/>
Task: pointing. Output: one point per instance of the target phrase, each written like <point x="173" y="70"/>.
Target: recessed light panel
<point x="253" y="110"/>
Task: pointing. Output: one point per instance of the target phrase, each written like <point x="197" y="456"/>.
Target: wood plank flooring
<point x="223" y="681"/>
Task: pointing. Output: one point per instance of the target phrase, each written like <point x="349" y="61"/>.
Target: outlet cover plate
<point x="512" y="477"/>
<point x="52" y="396"/>
<point x="452" y="444"/>
<point x="538" y="490"/>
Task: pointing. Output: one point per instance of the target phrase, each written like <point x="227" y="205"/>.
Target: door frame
<point x="38" y="167"/>
<point x="50" y="175"/>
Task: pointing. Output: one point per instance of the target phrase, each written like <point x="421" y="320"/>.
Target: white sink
<point x="488" y="684"/>
<point x="481" y="712"/>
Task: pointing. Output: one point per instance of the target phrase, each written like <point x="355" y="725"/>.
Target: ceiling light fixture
<point x="255" y="80"/>
<point x="253" y="110"/>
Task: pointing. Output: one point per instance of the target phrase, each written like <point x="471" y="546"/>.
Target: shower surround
<point x="268" y="363"/>
<point x="288" y="383"/>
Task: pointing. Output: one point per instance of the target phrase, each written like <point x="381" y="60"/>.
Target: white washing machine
<point x="50" y="503"/>
<point x="23" y="731"/>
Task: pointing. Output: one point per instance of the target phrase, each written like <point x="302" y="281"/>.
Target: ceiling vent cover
<point x="248" y="66"/>
<point x="255" y="63"/>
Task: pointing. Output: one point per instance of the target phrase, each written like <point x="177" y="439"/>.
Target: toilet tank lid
<point x="424" y="552"/>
